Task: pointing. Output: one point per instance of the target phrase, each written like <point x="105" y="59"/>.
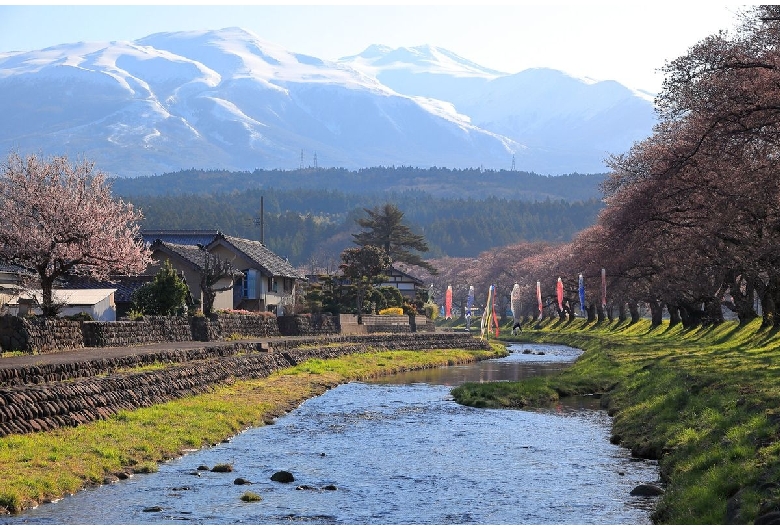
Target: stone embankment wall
<point x="303" y="325"/>
<point x="48" y="396"/>
<point x="38" y="335"/>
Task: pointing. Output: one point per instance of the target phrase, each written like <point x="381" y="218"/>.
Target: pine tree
<point x="387" y="231"/>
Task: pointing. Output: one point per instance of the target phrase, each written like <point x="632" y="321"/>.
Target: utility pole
<point x="259" y="222"/>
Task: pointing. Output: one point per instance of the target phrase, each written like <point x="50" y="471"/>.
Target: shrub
<point x="165" y="295"/>
<point x="81" y="317"/>
<point x="431" y="310"/>
<point x="392" y="311"/>
<point x="135" y="315"/>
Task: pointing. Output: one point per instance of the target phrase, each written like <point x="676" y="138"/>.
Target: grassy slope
<point x="706" y="401"/>
<point x="45" y="466"/>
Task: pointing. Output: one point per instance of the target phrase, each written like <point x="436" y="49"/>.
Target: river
<point x="395" y="451"/>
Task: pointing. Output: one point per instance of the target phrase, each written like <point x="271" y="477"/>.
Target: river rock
<point x="647" y="490"/>
<point x="283" y="476"/>
<point x="241" y="481"/>
<point x="153" y="509"/>
<point x="330" y="487"/>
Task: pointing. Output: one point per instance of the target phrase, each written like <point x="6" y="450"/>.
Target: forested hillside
<point x="438" y="182"/>
<point x="315" y="225"/>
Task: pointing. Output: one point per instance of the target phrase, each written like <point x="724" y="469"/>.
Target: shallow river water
<point x="396" y="451"/>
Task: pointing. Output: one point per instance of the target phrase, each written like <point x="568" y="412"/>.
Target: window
<point x="249" y="284"/>
<point x="272" y="284"/>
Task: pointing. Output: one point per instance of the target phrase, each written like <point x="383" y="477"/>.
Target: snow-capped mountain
<point x="228" y="99"/>
<point x="576" y="121"/>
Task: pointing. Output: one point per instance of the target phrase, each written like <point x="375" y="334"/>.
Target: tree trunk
<point x="656" y="313"/>
<point x="713" y="312"/>
<point x="621" y="312"/>
<point x="633" y="310"/>
<point x="769" y="303"/>
<point x="592" y="313"/>
<point x="743" y="295"/>
<point x="768" y="310"/>
<point x="600" y="315"/>
<point x="674" y="314"/>
<point x="48" y="307"/>
<point x="691" y="315"/>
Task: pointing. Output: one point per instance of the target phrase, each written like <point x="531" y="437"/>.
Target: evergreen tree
<point x="387" y="231"/>
<point x="363" y="267"/>
<point x="165" y="295"/>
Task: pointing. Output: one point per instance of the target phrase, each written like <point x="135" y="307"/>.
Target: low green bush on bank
<point x="45" y="466"/>
<point x="704" y="401"/>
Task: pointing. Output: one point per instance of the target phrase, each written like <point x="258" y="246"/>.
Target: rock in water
<point x="282" y="476"/>
<point x="647" y="490"/>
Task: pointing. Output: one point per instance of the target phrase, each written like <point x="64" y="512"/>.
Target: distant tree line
<point x="438" y="182"/>
<point x="314" y="226"/>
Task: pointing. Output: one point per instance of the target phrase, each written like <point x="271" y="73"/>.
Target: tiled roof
<point x="180" y="237"/>
<point x="269" y="263"/>
<point x="394" y="270"/>
<point x="190" y="253"/>
<point x="193" y="254"/>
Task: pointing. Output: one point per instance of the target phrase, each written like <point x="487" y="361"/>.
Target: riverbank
<point x="42" y="467"/>
<point x="705" y="402"/>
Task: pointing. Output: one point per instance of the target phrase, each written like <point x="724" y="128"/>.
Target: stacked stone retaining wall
<point x="39" y="335"/>
<point x="127" y="333"/>
<point x="47" y="396"/>
<point x="303" y="325"/>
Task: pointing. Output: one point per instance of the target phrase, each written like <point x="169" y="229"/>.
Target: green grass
<point x="44" y="466"/>
<point x="705" y="401"/>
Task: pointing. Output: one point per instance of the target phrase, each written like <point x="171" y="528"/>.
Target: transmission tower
<point x="301" y="159"/>
<point x="513" y="163"/>
<point x="315" y="160"/>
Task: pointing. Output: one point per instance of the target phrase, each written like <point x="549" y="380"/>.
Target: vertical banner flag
<point x="604" y="288"/>
<point x="485" y="322"/>
<point x="559" y="291"/>
<point x="469" y="303"/>
<point x="582" y="295"/>
<point x="514" y="302"/>
<point x="448" y="302"/>
<point x="493" y="310"/>
<point x="539" y="298"/>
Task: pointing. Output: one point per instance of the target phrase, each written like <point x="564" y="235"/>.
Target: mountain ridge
<point x="231" y="100"/>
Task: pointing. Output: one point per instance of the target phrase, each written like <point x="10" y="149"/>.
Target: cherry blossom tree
<point x="60" y="219"/>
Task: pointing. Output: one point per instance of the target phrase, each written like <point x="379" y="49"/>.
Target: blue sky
<point x="626" y="41"/>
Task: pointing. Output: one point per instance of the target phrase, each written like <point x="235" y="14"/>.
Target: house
<point x="97" y="303"/>
<point x="404" y="282"/>
<point x="190" y="261"/>
<point x="268" y="282"/>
